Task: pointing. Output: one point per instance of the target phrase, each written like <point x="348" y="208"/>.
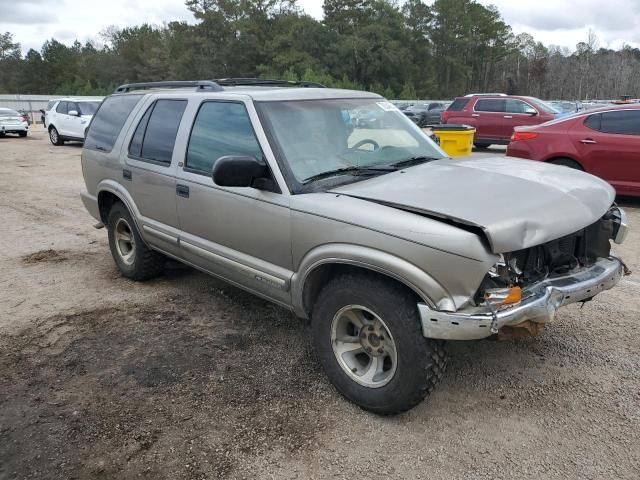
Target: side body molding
<point x="425" y="286"/>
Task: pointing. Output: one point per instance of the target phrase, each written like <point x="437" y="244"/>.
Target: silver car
<point x="386" y="245"/>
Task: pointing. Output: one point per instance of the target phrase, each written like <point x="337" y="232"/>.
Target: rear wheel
<point x="566" y="162"/>
<point x="54" y="136"/>
<point x="132" y="256"/>
<point x="367" y="334"/>
<point x="481" y="145"/>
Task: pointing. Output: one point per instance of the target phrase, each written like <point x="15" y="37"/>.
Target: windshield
<point x="320" y="136"/>
<point x="564" y="107"/>
<point x="544" y="106"/>
<point x="88" y="108"/>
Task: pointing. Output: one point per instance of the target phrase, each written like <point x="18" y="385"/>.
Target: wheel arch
<point x="553" y="157"/>
<point x="322" y="264"/>
<point x="109" y="192"/>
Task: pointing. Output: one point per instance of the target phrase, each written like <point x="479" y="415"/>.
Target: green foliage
<point x="407" y="50"/>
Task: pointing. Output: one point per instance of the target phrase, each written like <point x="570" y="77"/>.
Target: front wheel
<point x="54" y="136"/>
<point x="22" y="134"/>
<point x="367" y="334"/>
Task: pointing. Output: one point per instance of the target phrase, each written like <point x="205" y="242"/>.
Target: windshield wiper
<point x="354" y="170"/>
<point x="407" y="162"/>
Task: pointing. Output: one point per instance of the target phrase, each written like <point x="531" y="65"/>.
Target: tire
<point x="481" y="145"/>
<point x="566" y="162"/>
<point x="22" y="134"/>
<point x="132" y="256"/>
<point x="54" y="137"/>
<point x="375" y="302"/>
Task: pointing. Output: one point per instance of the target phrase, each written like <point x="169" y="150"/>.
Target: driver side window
<point x="220" y="129"/>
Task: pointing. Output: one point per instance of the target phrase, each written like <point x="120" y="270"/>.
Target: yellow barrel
<point x="456" y="140"/>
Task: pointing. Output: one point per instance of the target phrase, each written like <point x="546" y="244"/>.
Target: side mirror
<point x="74" y="113"/>
<point x="238" y="171"/>
<point x="530" y="111"/>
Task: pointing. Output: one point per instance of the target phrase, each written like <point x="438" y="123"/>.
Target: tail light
<point x="523" y="136"/>
<point x="445" y="116"/>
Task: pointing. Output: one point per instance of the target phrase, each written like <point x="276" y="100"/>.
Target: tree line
<point x="401" y="50"/>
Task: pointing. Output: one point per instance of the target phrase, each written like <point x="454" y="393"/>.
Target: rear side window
<point x="458" y="104"/>
<point x="593" y="122"/>
<point x="490" y="105"/>
<point x="623" y="122"/>
<point x="63" y="107"/>
<point x="220" y="129"/>
<point x="109" y="120"/>
<point x="155" y="135"/>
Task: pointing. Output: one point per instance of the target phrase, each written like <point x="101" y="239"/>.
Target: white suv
<point x="69" y="118"/>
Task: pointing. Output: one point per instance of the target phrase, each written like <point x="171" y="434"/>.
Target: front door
<point x="609" y="144"/>
<point x="239" y="233"/>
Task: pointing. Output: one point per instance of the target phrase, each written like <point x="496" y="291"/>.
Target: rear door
<point x="149" y="172"/>
<point x="489" y="115"/>
<point x="609" y="145"/>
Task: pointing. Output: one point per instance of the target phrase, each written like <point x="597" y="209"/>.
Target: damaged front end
<point x="523" y="290"/>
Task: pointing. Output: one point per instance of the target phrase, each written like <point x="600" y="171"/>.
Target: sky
<point x="557" y="22"/>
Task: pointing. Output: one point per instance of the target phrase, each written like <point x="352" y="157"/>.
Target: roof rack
<point x="486" y="95"/>
<point x="263" y="82"/>
<point x="200" y="85"/>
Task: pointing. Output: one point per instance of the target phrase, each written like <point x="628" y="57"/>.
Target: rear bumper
<point x="91" y="204"/>
<point x="539" y="303"/>
<point x="14" y="127"/>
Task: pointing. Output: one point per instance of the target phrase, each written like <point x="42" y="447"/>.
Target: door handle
<point x="508" y="116"/>
<point x="588" y="140"/>
<point x="475" y="114"/>
<point x="182" y="191"/>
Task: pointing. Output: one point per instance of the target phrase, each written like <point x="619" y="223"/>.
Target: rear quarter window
<point x="109" y="120"/>
<point x="458" y="104"/>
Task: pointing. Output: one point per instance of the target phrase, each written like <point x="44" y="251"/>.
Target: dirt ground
<point x="187" y="377"/>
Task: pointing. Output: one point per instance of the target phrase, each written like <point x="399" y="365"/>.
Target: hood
<point x="517" y="203"/>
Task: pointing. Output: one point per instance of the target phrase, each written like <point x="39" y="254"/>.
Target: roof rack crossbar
<point x="201" y="85"/>
<point x="264" y="82"/>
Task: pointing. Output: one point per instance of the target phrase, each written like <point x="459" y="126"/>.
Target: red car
<point x="604" y="142"/>
<point x="494" y="116"/>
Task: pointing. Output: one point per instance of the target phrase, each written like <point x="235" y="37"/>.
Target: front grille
<point x="561" y="255"/>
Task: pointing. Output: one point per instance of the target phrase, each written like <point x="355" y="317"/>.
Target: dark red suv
<point x="494" y="116"/>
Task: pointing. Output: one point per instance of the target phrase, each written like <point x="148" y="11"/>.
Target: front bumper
<point x="539" y="303"/>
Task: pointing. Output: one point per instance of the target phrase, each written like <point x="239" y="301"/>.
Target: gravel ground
<point x="187" y="377"/>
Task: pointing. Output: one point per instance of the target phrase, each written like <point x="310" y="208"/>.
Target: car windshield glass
<point x="343" y="136"/>
<point x="8" y="113"/>
<point x="564" y="106"/>
<point x="544" y="106"/>
<point x="88" y="108"/>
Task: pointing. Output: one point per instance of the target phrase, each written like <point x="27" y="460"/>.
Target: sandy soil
<point x="187" y="377"/>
